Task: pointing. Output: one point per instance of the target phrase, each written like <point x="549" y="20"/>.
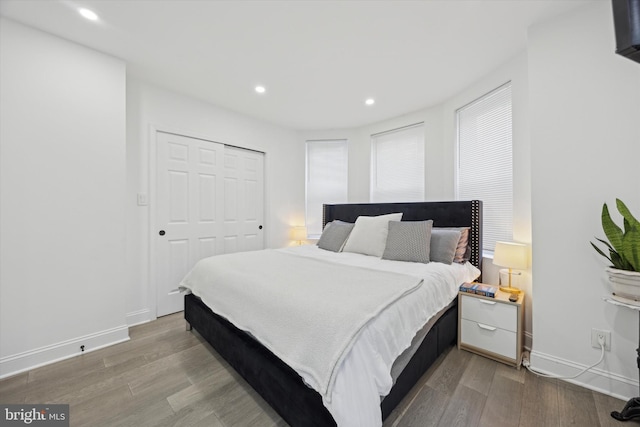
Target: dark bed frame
<point x="280" y="385"/>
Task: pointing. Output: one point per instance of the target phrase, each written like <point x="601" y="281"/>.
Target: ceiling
<point x="318" y="60"/>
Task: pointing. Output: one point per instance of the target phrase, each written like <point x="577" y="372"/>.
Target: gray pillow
<point x="408" y="241"/>
<point x="443" y="244"/>
<point x="334" y="235"/>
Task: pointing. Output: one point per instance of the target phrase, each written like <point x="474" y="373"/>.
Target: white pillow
<point x="369" y="235"/>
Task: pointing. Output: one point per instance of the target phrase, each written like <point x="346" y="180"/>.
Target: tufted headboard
<point x="443" y="214"/>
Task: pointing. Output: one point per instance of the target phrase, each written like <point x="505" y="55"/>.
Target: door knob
<point x="161" y="232"/>
<point x="259" y="227"/>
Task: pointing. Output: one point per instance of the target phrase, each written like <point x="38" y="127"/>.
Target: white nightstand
<point x="491" y="327"/>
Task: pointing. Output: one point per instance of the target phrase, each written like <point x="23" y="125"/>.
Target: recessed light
<point x="370" y="101"/>
<point x="89" y="14"/>
<point x="260" y="89"/>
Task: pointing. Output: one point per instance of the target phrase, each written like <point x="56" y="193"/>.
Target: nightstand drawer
<point x="489" y="338"/>
<point x="490" y="312"/>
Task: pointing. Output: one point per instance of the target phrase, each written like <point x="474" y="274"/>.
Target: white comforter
<point x="360" y="373"/>
<point x="306" y="311"/>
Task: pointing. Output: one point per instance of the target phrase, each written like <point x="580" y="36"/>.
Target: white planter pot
<point x="625" y="284"/>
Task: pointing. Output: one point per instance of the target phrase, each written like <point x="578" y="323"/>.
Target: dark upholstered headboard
<point x="443" y="214"/>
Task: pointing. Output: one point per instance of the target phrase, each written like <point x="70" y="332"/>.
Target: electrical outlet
<point x="595" y="333"/>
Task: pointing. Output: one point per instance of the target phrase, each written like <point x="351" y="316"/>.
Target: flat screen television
<point x="626" y="19"/>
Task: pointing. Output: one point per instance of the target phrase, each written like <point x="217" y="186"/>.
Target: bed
<point x="283" y="387"/>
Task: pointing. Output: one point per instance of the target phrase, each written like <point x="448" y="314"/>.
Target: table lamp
<point x="299" y="234"/>
<point x="512" y="256"/>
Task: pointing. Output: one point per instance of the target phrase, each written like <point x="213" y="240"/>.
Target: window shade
<point x="397" y="165"/>
<point x="485" y="161"/>
<point x="326" y="179"/>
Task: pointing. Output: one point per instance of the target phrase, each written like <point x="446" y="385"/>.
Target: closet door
<point x="189" y="211"/>
<point x="243" y="200"/>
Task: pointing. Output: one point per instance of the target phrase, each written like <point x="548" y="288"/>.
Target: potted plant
<point x="624" y="252"/>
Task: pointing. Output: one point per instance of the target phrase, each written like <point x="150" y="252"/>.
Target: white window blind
<point x="326" y="180"/>
<point x="485" y="161"/>
<point x="397" y="165"/>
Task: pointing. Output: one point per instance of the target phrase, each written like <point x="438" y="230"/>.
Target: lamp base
<point x="510" y="290"/>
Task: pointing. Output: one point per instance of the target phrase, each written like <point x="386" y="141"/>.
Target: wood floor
<point x="166" y="376"/>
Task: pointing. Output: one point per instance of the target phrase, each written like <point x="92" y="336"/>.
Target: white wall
<point x="150" y="107"/>
<point x="585" y="150"/>
<point x="440" y="156"/>
<point x="515" y="71"/>
<point x="62" y="181"/>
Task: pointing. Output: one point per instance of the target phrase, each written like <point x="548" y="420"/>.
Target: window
<point x="397" y="165"/>
<point x="326" y="180"/>
<point x="485" y="163"/>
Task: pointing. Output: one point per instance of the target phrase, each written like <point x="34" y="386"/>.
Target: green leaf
<point x="626" y="214"/>
<point x="606" y="243"/>
<point x="611" y="230"/>
<point x="600" y="252"/>
<point x="619" y="262"/>
<point x="631" y="248"/>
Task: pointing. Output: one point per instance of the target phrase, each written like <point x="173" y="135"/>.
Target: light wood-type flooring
<point x="167" y="376"/>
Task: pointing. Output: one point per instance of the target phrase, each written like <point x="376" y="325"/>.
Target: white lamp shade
<point x="511" y="255"/>
<point x="299" y="233"/>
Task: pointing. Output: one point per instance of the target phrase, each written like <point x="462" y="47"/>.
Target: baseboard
<point x="139" y="316"/>
<point x="595" y="379"/>
<point x="21" y="362"/>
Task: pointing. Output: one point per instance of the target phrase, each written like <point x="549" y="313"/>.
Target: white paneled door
<point x="194" y="198"/>
<point x="243" y="200"/>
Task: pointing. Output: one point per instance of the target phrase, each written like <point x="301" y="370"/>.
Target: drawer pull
<point x="484" y="301"/>
<point x="486" y="328"/>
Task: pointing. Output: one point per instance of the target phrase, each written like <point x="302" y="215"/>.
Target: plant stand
<point x="632" y="409"/>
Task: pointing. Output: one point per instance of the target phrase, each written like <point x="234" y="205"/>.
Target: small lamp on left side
<point x="299" y="234"/>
